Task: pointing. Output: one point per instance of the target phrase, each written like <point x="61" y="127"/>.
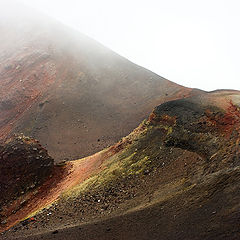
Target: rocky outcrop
<point x="24" y="165"/>
<point x="207" y="125"/>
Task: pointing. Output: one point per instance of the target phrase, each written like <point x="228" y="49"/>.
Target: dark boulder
<point x="24" y="165"/>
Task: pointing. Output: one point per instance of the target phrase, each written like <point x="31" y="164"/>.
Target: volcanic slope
<point x="176" y="176"/>
<point x="68" y="91"/>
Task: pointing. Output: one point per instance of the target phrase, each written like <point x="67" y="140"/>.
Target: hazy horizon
<point x="192" y="43"/>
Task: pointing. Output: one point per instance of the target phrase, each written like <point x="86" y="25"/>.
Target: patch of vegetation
<point x="137" y="158"/>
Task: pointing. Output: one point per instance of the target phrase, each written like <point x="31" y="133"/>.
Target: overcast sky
<point x="195" y="43"/>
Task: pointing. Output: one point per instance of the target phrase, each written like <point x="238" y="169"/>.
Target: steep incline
<point x="68" y="91"/>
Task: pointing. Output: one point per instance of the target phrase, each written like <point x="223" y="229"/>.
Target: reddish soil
<point x="71" y="93"/>
<point x="189" y="191"/>
<point x="24" y="78"/>
<point x="78" y="97"/>
<point x="63" y="178"/>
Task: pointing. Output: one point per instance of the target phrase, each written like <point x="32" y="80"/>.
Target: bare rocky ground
<point x="174" y="177"/>
<point x="68" y="91"/>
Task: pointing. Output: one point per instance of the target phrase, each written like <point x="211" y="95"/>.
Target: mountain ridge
<point x="72" y="94"/>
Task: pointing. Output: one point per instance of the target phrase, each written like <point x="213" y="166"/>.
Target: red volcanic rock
<point x="24" y="165"/>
